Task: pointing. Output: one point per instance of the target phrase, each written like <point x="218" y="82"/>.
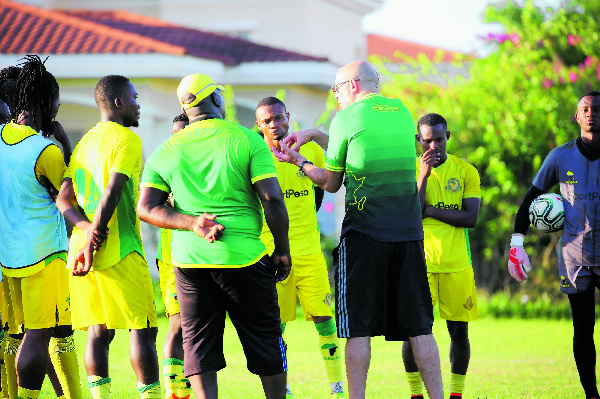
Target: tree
<point x="518" y="104"/>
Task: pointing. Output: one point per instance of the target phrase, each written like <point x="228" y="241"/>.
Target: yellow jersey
<point x="447" y="247"/>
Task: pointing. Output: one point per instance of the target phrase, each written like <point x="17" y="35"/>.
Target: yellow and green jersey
<point x="163" y="251"/>
<point x="108" y="148"/>
<point x="447" y="247"/>
<point x="299" y="194"/>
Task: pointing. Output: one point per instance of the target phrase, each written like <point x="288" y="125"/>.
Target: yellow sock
<point x="64" y="360"/>
<point x="99" y="387"/>
<point x="185" y="388"/>
<point x="457" y="383"/>
<point x="329" y="346"/>
<point x="171" y="372"/>
<point x="25" y="393"/>
<point x="151" y="391"/>
<point x="10" y="356"/>
<point x="414" y="383"/>
<point x="3" y="385"/>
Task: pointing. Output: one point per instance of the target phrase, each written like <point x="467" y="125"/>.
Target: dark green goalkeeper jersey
<point x="373" y="142"/>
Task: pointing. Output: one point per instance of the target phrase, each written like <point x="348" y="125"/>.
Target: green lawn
<point x="510" y="359"/>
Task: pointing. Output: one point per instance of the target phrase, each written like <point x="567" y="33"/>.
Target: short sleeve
<point x="472" y="183"/>
<point x="547" y="176"/>
<point x="261" y="160"/>
<point x="150" y="177"/>
<point x="51" y="165"/>
<point x="338" y="143"/>
<point x="128" y="154"/>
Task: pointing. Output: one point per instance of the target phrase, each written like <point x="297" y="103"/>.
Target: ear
<point x="418" y="137"/>
<point x="257" y="124"/>
<point x="448" y="135"/>
<point x="118" y="103"/>
<point x="215" y="98"/>
<point x="287" y="114"/>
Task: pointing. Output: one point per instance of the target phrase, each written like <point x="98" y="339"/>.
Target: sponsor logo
<point x="571" y="178"/>
<point x="332" y="348"/>
<point x="564" y="282"/>
<point x="360" y="203"/>
<point x="591" y="196"/>
<point x="469" y="304"/>
<point x="327" y="300"/>
<point x="453" y="185"/>
<point x="291" y="193"/>
<point x="441" y="205"/>
<point x="385" y="108"/>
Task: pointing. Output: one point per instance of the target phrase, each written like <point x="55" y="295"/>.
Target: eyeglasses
<point x="336" y="87"/>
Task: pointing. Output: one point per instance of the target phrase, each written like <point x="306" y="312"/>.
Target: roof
<point x="28" y="29"/>
<point x="388" y="47"/>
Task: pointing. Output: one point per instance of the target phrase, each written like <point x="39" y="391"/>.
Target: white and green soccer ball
<point x="547" y="213"/>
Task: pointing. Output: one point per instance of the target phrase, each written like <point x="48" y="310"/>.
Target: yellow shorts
<point x="40" y="300"/>
<point x="166" y="274"/>
<point x="456" y="295"/>
<point x="120" y="297"/>
<point x="310" y="279"/>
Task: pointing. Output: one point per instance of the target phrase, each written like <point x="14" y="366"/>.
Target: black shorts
<point x="248" y="294"/>
<point x="381" y="288"/>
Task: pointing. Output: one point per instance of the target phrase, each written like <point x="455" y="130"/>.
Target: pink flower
<point x="561" y="79"/>
<point x="573" y="40"/>
<point x="588" y="61"/>
<point x="514" y="38"/>
<point x="572" y="76"/>
<point x="547" y="83"/>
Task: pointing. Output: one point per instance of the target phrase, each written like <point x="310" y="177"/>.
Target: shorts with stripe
<point x="121" y="297"/>
<point x="249" y="296"/>
<point x="40" y="300"/>
<point x="381" y="288"/>
<point x="166" y="275"/>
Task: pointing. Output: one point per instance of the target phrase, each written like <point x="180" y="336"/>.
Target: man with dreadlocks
<point x="33" y="236"/>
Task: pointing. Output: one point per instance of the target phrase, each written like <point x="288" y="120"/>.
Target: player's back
<point x="107" y="148"/>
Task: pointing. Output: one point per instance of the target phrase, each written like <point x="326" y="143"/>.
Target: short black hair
<point x="181" y="118"/>
<point x="35" y="86"/>
<point x="265" y="102"/>
<point x="593" y="93"/>
<point x="431" y="120"/>
<point x="8" y="86"/>
<point x="108" y="89"/>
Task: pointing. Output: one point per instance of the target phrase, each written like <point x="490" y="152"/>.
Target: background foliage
<point x="518" y="104"/>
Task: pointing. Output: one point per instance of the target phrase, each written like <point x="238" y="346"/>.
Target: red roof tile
<point x="389" y="48"/>
<point x="29" y="29"/>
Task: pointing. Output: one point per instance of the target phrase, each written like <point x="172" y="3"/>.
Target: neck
<point x="590" y="139"/>
<point x="26" y="119"/>
<point x="110" y="117"/>
<point x="205" y="116"/>
<point x="273" y="143"/>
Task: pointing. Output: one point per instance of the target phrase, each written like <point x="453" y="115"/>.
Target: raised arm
<point x="297" y="139"/>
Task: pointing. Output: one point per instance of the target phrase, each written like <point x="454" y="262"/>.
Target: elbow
<point x="142" y="211"/>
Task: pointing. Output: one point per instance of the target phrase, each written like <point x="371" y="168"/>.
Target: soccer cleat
<point x="288" y="393"/>
<point x="338" y="395"/>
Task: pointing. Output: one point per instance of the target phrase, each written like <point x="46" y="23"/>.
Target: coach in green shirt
<point x="380" y="271"/>
<point x="220" y="174"/>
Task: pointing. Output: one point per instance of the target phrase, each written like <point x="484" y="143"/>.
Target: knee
<point x="100" y="335"/>
<point x="459" y="331"/>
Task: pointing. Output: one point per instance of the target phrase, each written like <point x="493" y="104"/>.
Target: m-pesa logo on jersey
<point x="291" y="193"/>
<point x="453" y="185"/>
<point x="441" y="205"/>
<point x="571" y="178"/>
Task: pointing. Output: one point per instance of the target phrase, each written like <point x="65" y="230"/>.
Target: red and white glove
<point x="518" y="261"/>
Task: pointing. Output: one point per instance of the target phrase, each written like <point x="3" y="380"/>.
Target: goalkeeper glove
<point x="518" y="261"/>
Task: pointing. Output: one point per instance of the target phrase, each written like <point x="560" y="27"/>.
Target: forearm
<point x="522" y="218"/>
<point x="72" y="213"/>
<point x="167" y="218"/>
<point x="67" y="150"/>
<point x="320" y="138"/>
<point x="276" y="216"/>
<point x="422" y="189"/>
<point x="453" y="217"/>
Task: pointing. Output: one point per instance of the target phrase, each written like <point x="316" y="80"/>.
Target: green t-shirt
<point x="373" y="142"/>
<point x="210" y="166"/>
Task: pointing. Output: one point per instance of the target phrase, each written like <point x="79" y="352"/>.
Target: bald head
<point x="363" y="72"/>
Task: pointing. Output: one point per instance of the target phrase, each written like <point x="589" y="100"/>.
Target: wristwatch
<point x="300" y="171"/>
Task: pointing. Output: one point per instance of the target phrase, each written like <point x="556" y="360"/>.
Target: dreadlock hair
<point x="8" y="86"/>
<point x="432" y="120"/>
<point x="265" y="102"/>
<point x="35" y="87"/>
<point x="181" y="118"/>
<point x="108" y="89"/>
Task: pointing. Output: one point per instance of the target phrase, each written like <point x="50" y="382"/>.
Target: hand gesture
<point x="207" y="228"/>
<point x="96" y="237"/>
<point x="55" y="130"/>
<point x="282" y="263"/>
<point x="297" y="139"/>
<point x="288" y="155"/>
<point x="429" y="158"/>
<point x="83" y="260"/>
<point x="518" y="261"/>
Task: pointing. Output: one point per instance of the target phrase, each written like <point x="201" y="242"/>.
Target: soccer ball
<point x="546" y="213"/>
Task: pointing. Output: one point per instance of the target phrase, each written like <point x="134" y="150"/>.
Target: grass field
<point x="510" y="359"/>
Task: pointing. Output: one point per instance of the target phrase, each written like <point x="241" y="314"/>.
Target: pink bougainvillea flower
<point x="572" y="76"/>
<point x="547" y="83"/>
